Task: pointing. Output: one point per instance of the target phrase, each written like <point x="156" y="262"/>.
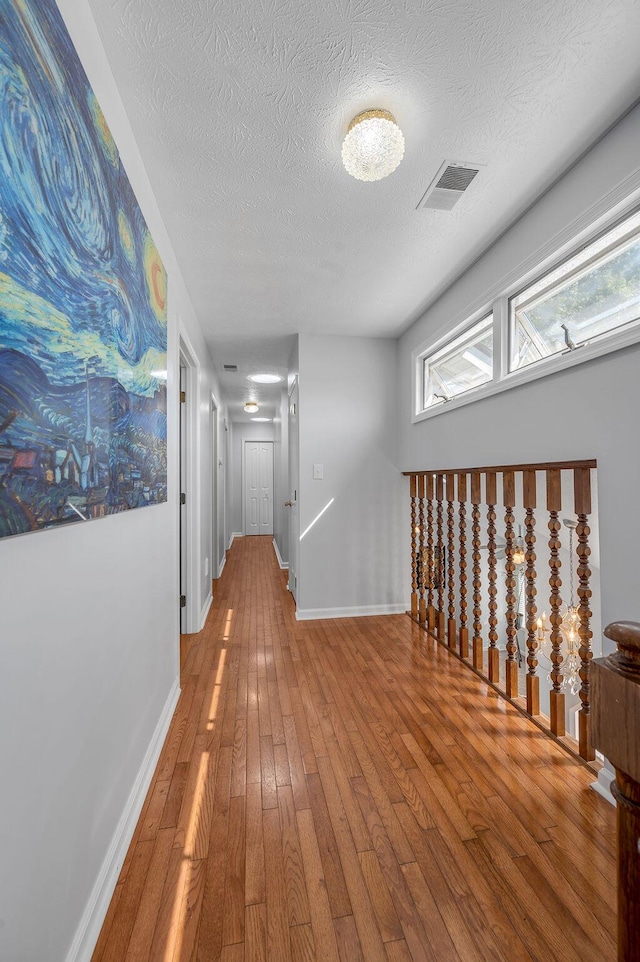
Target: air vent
<point x="448" y="186"/>
<point x="231" y="368"/>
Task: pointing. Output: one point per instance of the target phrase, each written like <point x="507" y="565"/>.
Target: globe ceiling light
<point x="374" y="145"/>
<point x="251" y="407"/>
<point x="264" y="378"/>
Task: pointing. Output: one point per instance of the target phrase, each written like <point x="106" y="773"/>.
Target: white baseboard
<point x="88" y="930"/>
<point x="603" y="785"/>
<point x="283" y="564"/>
<point x="235" y="534"/>
<point x="205" y="610"/>
<point x="311" y="614"/>
<point x="221" y="566"/>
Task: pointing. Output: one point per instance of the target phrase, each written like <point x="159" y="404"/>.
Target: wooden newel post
<point x="615" y="729"/>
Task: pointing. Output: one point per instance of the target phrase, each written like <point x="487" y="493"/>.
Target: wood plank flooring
<point x="346" y="791"/>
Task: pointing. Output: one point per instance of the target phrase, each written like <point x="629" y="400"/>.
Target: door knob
<point x="288" y="504"/>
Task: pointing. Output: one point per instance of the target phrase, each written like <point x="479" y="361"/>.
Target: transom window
<point x="460" y="366"/>
<point x="584" y="307"/>
<point x="593" y="293"/>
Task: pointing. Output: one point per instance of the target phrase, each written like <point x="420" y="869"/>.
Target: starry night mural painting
<point x="83" y="319"/>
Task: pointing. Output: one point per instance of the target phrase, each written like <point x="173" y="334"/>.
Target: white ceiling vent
<point x="448" y="186"/>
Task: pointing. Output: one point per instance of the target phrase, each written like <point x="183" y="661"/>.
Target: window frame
<point x="587" y="229"/>
<point x="452" y="348"/>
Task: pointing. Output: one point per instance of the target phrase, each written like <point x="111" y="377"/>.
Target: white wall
<point x="89" y="648"/>
<point x="243" y="431"/>
<point x="589" y="411"/>
<point x="353" y="557"/>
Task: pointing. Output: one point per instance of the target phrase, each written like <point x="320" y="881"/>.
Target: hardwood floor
<point x="344" y="791"/>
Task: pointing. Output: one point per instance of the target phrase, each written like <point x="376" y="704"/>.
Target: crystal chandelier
<point x="374" y="145"/>
<point x="570" y="626"/>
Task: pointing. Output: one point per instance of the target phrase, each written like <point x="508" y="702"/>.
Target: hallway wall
<point x="352" y="559"/>
<point x="588" y="411"/>
<point x="89" y="671"/>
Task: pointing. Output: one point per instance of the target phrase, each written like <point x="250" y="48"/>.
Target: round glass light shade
<point x="251" y="407"/>
<point x="374" y="145"/>
<point x="264" y="378"/>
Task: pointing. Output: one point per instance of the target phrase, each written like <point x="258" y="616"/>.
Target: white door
<point x="294" y="478"/>
<point x="258" y="487"/>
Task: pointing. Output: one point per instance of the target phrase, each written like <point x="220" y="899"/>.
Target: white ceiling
<point x="240" y="108"/>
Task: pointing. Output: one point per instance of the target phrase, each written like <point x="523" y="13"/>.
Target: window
<point x="580" y="308"/>
<point x="595" y="292"/>
<point x="460" y="366"/>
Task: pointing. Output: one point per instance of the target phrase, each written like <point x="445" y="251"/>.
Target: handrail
<point x="500" y="468"/>
<point x="615" y="710"/>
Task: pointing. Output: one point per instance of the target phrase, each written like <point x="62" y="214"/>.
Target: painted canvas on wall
<point x="83" y="317"/>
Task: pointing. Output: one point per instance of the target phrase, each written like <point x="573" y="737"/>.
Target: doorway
<point x="294" y="485"/>
<point x="184" y="528"/>
<point x="258" y="487"/>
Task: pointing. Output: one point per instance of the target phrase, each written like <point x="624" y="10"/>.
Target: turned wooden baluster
<point x="462" y="511"/>
<point x="615" y="690"/>
<point x="476" y="498"/>
<point x="556" y="695"/>
<point x="422" y="605"/>
<point x="440" y="552"/>
<point x="414" y="551"/>
<point x="509" y="500"/>
<point x="451" y="624"/>
<point x="431" y="611"/>
<point x="582" y="505"/>
<point x="492" y="651"/>
<point x="529" y="502"/>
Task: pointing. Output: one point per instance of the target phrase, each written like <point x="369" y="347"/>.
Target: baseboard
<point x="235" y="534"/>
<point x="88" y="930"/>
<point x="205" y="611"/>
<point x="283" y="564"/>
<point x="311" y="614"/>
<point x="221" y="566"/>
<point x="603" y="785"/>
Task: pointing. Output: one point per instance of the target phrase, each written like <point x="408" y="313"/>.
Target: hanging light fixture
<point x="251" y="407"/>
<point x="374" y="145"/>
<point x="570" y="626"/>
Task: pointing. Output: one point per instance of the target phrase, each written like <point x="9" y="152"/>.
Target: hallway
<point x="345" y="790"/>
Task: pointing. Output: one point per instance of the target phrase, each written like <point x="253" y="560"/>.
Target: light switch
<point x="318" y="472"/>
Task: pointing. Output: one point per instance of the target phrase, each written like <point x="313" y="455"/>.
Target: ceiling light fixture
<point x="262" y="419"/>
<point x="374" y="145"/>
<point x="251" y="407"/>
<point x="264" y="378"/>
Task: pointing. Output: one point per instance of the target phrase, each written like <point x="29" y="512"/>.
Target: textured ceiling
<point x="239" y="110"/>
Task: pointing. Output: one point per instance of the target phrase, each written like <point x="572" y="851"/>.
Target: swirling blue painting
<point x="83" y="317"/>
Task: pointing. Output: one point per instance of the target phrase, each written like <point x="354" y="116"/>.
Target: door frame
<point x="246" y="441"/>
<point x="293" y="481"/>
<point x="190" y="514"/>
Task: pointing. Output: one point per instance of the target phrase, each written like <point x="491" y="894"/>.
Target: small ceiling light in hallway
<point x="251" y="407"/>
<point x="374" y="145"/>
<point x="264" y="378"/>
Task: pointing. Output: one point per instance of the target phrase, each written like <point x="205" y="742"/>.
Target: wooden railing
<point x="616" y="733"/>
<point x="505" y="618"/>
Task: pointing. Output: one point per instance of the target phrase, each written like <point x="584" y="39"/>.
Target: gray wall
<point x="589" y="411"/>
<point x="90" y="651"/>
<point x="353" y="556"/>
